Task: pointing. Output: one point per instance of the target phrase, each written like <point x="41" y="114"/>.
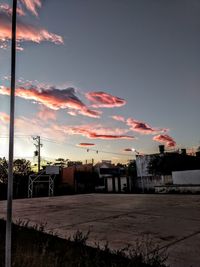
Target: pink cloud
<point x="142" y="127"/>
<point x="54" y="99"/>
<point x="25" y="31"/>
<point x="166" y="139"/>
<point x="90" y="113"/>
<point x="32" y="5"/>
<point x="118" y="118"/>
<point x="46" y="114"/>
<point x="98" y="132"/>
<point x="86" y="144"/>
<point x="8" y="9"/>
<point x="35" y="126"/>
<point x="105" y="100"/>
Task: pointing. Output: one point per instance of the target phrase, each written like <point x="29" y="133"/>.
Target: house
<point x="111" y="178"/>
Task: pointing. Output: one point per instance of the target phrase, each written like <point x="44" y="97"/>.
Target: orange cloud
<point x="142" y="127"/>
<point x="54" y="99"/>
<point x="32" y="5"/>
<point x="105" y="100"/>
<point x="25" y="31"/>
<point x="166" y="139"/>
<point x="118" y="118"/>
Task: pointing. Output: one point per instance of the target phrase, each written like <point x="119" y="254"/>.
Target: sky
<point x="96" y="79"/>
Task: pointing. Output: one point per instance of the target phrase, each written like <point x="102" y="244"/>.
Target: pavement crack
<point x="179" y="240"/>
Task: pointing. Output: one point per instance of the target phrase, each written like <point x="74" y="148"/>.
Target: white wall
<point x="123" y="181"/>
<point x="186" y="177"/>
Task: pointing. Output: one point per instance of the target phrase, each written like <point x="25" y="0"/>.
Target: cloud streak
<point x="143" y="128"/>
<point x="86" y="144"/>
<point x="104" y="100"/>
<point x="46" y="114"/>
<point x="34" y="126"/>
<point x="25" y="31"/>
<point x="98" y="132"/>
<point x="54" y="99"/>
<point x="32" y="5"/>
<point x="118" y="118"/>
<point x="165" y="139"/>
<point x="128" y="150"/>
<point x="7" y="9"/>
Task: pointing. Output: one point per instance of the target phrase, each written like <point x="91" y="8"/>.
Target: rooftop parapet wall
<point x="190" y="177"/>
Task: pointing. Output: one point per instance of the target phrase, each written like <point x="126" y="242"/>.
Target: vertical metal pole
<point x="11" y="141"/>
<point x="140" y="163"/>
<point x="39" y="153"/>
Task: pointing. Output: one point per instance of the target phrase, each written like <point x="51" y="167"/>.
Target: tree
<point x="132" y="170"/>
<point x="3" y="170"/>
<point x="167" y="163"/>
<point x="21" y="168"/>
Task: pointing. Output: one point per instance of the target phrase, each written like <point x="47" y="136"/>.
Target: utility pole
<point x="38" y="145"/>
<point x="11" y="140"/>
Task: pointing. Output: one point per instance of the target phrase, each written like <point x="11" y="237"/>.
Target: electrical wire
<point x="45" y="139"/>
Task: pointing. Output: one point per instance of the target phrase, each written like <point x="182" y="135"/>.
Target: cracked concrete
<point x="173" y="221"/>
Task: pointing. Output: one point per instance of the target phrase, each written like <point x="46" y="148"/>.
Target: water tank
<point x="183" y="151"/>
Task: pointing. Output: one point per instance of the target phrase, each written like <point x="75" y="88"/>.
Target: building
<point x="157" y="171"/>
<point x="112" y="178"/>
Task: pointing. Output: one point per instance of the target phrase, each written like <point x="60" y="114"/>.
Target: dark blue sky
<point x="144" y="51"/>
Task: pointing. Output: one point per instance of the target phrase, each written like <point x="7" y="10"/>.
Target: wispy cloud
<point x="32" y="5"/>
<point x="143" y="128"/>
<point x="30" y="126"/>
<point x="118" y="118"/>
<point x="165" y="139"/>
<point x="35" y="126"/>
<point x="105" y="100"/>
<point x="25" y="31"/>
<point x="8" y="9"/>
<point x="46" y="114"/>
<point x="98" y="132"/>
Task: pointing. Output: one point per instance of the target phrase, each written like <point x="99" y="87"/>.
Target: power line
<point x="87" y="149"/>
<point x="45" y="139"/>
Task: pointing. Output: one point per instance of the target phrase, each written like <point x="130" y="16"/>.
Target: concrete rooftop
<point x="171" y="220"/>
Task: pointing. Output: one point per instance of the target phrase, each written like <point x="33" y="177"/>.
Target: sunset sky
<point x="98" y="77"/>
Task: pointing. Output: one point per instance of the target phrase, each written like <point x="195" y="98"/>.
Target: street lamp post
<point x="11" y="141"/>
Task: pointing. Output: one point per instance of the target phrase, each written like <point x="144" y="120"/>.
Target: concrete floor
<point x="173" y="221"/>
